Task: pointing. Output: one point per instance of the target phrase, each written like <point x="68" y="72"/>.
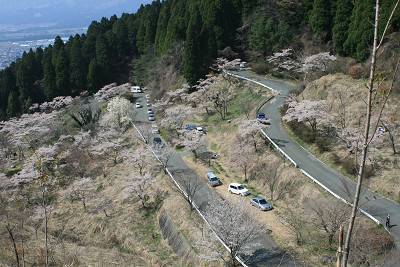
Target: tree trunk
<point x="23" y="243"/>
<point x="391" y="137"/>
<point x="46" y="237"/>
<point x="339" y="251"/>
<point x="365" y="141"/>
<point x="12" y="239"/>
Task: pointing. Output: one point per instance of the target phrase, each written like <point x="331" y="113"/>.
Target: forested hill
<point x="103" y="54"/>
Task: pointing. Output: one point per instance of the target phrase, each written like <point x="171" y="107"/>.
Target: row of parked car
<point x="239" y="189"/>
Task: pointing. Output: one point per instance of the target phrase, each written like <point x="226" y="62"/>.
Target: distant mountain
<point x="61" y="13"/>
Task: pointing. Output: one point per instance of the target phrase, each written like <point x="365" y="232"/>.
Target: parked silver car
<point x="213" y="180"/>
<point x="261" y="203"/>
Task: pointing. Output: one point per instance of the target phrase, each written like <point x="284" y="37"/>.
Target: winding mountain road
<point x="372" y="205"/>
<point x="266" y="253"/>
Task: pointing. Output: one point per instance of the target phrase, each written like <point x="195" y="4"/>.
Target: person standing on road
<point x="388" y="221"/>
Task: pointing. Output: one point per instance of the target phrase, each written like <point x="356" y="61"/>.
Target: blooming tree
<point x="29" y="131"/>
<point x="119" y="114"/>
<point x="57" y="103"/>
<point x="112" y="90"/>
<point x="243" y="156"/>
<point x="175" y="116"/>
<point x="313" y="113"/>
<point x="220" y="95"/>
<point x="141" y="185"/>
<point x="237" y="230"/>
<point x="140" y="159"/>
<point x="193" y="141"/>
<point x="225" y="64"/>
<point x="250" y="130"/>
<point x="165" y="154"/>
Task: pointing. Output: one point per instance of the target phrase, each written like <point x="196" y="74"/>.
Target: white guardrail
<point x="293" y="162"/>
<point x="186" y="195"/>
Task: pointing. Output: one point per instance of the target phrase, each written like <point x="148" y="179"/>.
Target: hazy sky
<point x="62" y="12"/>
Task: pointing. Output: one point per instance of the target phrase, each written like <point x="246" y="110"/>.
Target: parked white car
<point x="138" y="105"/>
<point x="154" y="129"/>
<point x="238" y="189"/>
<point x="136" y="89"/>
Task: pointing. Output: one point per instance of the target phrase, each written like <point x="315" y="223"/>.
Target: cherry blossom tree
<point x="193" y="141"/>
<point x="112" y="90"/>
<point x="141" y="159"/>
<point x="191" y="185"/>
<point x="175" y="116"/>
<point x="141" y="185"/>
<point x="328" y="216"/>
<point x="233" y="225"/>
<point x="165" y="154"/>
<point x="81" y="192"/>
<point x="313" y="113"/>
<point x="243" y="156"/>
<point x="268" y="172"/>
<point x="57" y="103"/>
<point x="220" y="95"/>
<point x="10" y="222"/>
<point x="29" y="131"/>
<point x="119" y="114"/>
<point x="250" y="130"/>
<point x="225" y="64"/>
<point x="391" y="124"/>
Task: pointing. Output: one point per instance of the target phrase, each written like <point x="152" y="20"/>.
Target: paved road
<point x="268" y="253"/>
<point x="372" y="203"/>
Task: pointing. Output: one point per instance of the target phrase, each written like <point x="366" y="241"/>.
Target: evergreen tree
<point x="62" y="73"/>
<point x="360" y="32"/>
<point x="176" y="29"/>
<point x="7" y="85"/>
<point x="57" y="47"/>
<point x="49" y="75"/>
<point x="341" y="24"/>
<point x="258" y="38"/>
<point x="248" y="6"/>
<point x="320" y="19"/>
<point x="386" y="10"/>
<point x="282" y="36"/>
<point x="25" y="78"/>
<point x="193" y="52"/>
<point x="162" y="27"/>
<point x="13" y="105"/>
<point x="102" y="58"/>
<point x="120" y="31"/>
<point x="93" y="77"/>
<point x="77" y="67"/>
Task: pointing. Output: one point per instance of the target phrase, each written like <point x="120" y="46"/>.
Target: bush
<point x="356" y="71"/>
<point x="323" y="144"/>
<point x="302" y="131"/>
<point x="260" y="68"/>
<point x="349" y="165"/>
<point x="129" y="96"/>
<point x="369" y="242"/>
<point x="14" y="170"/>
<point x="300" y="87"/>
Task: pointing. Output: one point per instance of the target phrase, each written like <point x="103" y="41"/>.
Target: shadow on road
<point x="274" y="257"/>
<point x="280" y="142"/>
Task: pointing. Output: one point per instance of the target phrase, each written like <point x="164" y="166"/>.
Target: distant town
<point x="10" y="51"/>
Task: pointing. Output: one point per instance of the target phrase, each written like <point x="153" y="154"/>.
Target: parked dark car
<point x="157" y="140"/>
<point x="190" y="127"/>
<point x="262" y="118"/>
